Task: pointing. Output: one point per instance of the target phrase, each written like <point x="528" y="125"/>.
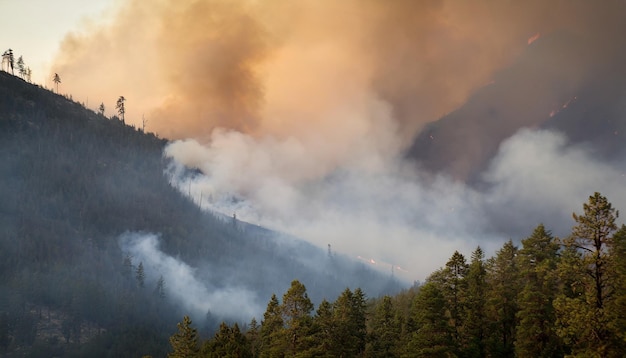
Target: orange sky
<point x="287" y="68"/>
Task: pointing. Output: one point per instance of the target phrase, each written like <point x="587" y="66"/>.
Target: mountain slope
<point x="74" y="185"/>
<point x="560" y="82"/>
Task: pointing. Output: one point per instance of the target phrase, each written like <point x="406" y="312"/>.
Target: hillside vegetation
<point x="72" y="182"/>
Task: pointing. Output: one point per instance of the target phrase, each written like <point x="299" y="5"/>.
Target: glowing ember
<point x="533" y="38"/>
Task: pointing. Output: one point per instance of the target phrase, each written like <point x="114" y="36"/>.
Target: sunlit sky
<point x="34" y="28"/>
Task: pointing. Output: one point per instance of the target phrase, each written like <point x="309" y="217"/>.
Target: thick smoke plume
<point x="278" y="67"/>
<point x="300" y="111"/>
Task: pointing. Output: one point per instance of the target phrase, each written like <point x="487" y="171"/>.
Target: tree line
<point x="551" y="297"/>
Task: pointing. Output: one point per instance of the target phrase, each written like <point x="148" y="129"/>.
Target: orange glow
<point x="534" y="38"/>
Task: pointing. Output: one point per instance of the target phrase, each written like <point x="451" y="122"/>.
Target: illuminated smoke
<point x="302" y="109"/>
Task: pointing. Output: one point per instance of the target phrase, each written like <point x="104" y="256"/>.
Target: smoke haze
<point x="182" y="284"/>
<point x="298" y="113"/>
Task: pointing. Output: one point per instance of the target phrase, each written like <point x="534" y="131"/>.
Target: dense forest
<point x="74" y="183"/>
<point x="551" y="297"/>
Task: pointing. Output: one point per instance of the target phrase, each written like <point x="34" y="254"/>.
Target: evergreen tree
<point x="185" y="342"/>
<point x="433" y="334"/>
<point x="253" y="337"/>
<point x="127" y="267"/>
<point x="140" y="275"/>
<point x="475" y="317"/>
<point x="159" y="290"/>
<point x="296" y="309"/>
<point x="227" y="343"/>
<point x="121" y="109"/>
<point x="535" y="332"/>
<point x="272" y="330"/>
<point x="323" y="331"/>
<point x="21" y="69"/>
<point x="350" y="323"/>
<point x="101" y="109"/>
<point x="584" y="318"/>
<point x="56" y="79"/>
<point x="385" y="330"/>
<point x="453" y="285"/>
<point x="501" y="309"/>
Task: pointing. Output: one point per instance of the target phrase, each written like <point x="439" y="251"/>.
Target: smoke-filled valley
<point x="342" y="144"/>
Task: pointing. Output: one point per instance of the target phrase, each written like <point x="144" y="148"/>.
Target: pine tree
<point x="101" y="109"/>
<point x="501" y="308"/>
<point x="185" y="342"/>
<point x="584" y="319"/>
<point x="535" y="332"/>
<point x="433" y="334"/>
<point x="296" y="309"/>
<point x="453" y="285"/>
<point x="56" y="79"/>
<point x="140" y="275"/>
<point x="227" y="343"/>
<point x="475" y="318"/>
<point x="350" y="323"/>
<point x="323" y="330"/>
<point x="159" y="290"/>
<point x="385" y="330"/>
<point x="21" y="69"/>
<point x="272" y="330"/>
<point x="253" y="337"/>
<point x="121" y="109"/>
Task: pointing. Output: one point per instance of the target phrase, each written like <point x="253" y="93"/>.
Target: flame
<point x="534" y="38"/>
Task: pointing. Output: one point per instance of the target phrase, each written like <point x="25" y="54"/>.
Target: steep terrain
<point x="74" y="184"/>
<point x="560" y="82"/>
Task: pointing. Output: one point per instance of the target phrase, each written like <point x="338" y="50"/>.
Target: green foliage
<point x="475" y="319"/>
<point x="227" y="343"/>
<point x="386" y="330"/>
<point x="296" y="309"/>
<point x="184" y="342"/>
<point x="503" y="289"/>
<point x="582" y="314"/>
<point x="433" y="336"/>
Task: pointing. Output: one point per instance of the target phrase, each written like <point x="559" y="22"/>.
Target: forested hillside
<point x="548" y="297"/>
<point x="74" y="184"/>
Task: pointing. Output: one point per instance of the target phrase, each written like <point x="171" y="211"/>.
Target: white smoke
<point x="182" y="284"/>
<point x="388" y="211"/>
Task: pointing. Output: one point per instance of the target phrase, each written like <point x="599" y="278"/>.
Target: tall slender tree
<point x="296" y="309"/>
<point x="57" y="80"/>
<point x="474" y="331"/>
<point x="121" y="109"/>
<point x="21" y="69"/>
<point x="584" y="318"/>
<point x="536" y="333"/>
<point x="503" y="287"/>
<point x="272" y="330"/>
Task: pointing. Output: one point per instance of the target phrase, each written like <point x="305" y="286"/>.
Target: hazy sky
<point x="34" y="28"/>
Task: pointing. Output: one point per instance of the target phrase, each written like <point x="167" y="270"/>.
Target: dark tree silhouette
<point x="57" y="80"/>
<point x="120" y="107"/>
<point x="101" y="109"/>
